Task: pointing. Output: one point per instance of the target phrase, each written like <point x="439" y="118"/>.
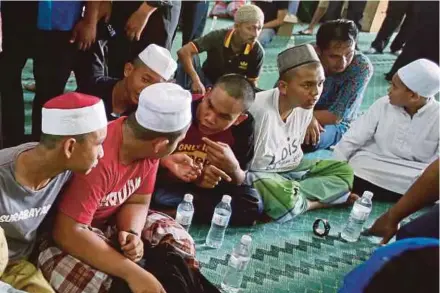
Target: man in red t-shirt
<point x="221" y="141"/>
<point x="117" y="194"/>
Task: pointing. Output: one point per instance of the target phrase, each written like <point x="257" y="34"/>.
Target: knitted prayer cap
<point x="422" y="77"/>
<point x="296" y="56"/>
<point x="249" y="13"/>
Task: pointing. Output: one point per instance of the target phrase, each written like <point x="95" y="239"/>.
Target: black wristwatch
<point x="319" y="231"/>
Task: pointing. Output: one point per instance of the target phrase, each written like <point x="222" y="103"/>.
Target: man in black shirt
<point x="228" y="51"/>
<point x="120" y="96"/>
<point x="274" y="14"/>
<point x="214" y="156"/>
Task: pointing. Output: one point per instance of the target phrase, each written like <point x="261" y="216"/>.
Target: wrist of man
<point x="394" y="217"/>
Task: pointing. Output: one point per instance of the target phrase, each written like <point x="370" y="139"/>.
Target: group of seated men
<point x="163" y="143"/>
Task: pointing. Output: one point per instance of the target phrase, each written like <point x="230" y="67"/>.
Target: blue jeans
<point x="266" y="36"/>
<point x="183" y="79"/>
<point x="330" y="137"/>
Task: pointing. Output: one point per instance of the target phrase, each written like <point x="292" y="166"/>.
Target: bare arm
<point x="281" y="14"/>
<point x="133" y="214"/>
<point x="77" y="240"/>
<point x="185" y="55"/>
<point x="423" y="192"/>
<point x="325" y="117"/>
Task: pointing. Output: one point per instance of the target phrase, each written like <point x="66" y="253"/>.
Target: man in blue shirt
<point x="61" y="36"/>
<point x="347" y="75"/>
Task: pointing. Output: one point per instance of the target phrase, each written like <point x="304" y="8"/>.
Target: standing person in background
<point x="19" y="21"/>
<point x="424" y="39"/>
<point x="193" y="19"/>
<point x="61" y="38"/>
<point x="347" y="73"/>
<point x="136" y="25"/>
<point x="396" y="11"/>
<point x="274" y="14"/>
<point x="233" y="50"/>
<point x="355" y="11"/>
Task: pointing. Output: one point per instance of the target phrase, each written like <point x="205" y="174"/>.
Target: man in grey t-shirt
<point x="74" y="127"/>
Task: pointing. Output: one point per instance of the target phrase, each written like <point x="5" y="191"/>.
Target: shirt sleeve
<point x="361" y="131"/>
<point x="356" y="81"/>
<point x="147" y="186"/>
<point x="208" y="41"/>
<point x="255" y="67"/>
<point x="83" y="194"/>
<point x="244" y="144"/>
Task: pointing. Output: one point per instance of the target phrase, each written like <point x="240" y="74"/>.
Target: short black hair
<point x="343" y="30"/>
<point x="414" y="270"/>
<point x="142" y="133"/>
<point x="50" y="140"/>
<point x="238" y="87"/>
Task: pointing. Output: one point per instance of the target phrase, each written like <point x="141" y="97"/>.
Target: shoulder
<point x="8" y="155"/>
<point x="361" y="63"/>
<point x="263" y="102"/>
<point x="246" y="127"/>
<point x="257" y="50"/>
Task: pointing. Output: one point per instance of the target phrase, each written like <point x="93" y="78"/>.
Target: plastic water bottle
<point x="238" y="262"/>
<point x="219" y="223"/>
<point x="185" y="212"/>
<point x="358" y="216"/>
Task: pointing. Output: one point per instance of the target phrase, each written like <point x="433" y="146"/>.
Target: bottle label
<point x="183" y="219"/>
<point x="360" y="212"/>
<point x="220" y="220"/>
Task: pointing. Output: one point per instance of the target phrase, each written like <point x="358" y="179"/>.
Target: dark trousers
<point x="426" y="225"/>
<point x="159" y="30"/>
<point x="55" y="59"/>
<point x="19" y="26"/>
<point x="193" y="19"/>
<point x="247" y="205"/>
<point x="355" y="11"/>
<point x="360" y="185"/>
<point x="396" y="11"/>
<point x="423" y="41"/>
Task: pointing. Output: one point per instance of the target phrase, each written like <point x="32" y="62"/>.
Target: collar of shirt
<point x="228" y="39"/>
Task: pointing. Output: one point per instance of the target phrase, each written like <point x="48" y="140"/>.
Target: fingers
<point x="212" y="144"/>
<point x="386" y="239"/>
<point x="219" y="173"/>
<point x="321" y="128"/>
<point x="314" y="136"/>
<point x="307" y="137"/>
<point x="122" y="238"/>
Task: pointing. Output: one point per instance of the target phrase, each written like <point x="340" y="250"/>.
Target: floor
<point x="286" y="257"/>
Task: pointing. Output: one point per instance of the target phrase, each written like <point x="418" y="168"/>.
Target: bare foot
<point x="352" y="198"/>
<point x="307" y="32"/>
<point x="314" y="205"/>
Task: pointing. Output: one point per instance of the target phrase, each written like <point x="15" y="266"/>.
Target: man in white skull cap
<point x="397" y="138"/>
<point x="153" y="65"/>
<point x="74" y="127"/>
<point x="120" y="188"/>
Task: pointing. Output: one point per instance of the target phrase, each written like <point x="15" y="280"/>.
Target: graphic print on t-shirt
<point x="117" y="198"/>
<point x="287" y="155"/>
<point x="197" y="152"/>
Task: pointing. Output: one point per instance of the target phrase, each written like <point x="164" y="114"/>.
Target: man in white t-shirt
<point x="289" y="184"/>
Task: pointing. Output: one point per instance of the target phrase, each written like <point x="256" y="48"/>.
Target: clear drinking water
<point x="219" y="223"/>
<point x="237" y="265"/>
<point x="185" y="212"/>
<point x="358" y="216"/>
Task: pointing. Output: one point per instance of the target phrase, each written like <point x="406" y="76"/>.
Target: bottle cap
<point x="246" y="239"/>
<point x="367" y="194"/>
<point x="226" y="199"/>
<point x="188" y="197"/>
